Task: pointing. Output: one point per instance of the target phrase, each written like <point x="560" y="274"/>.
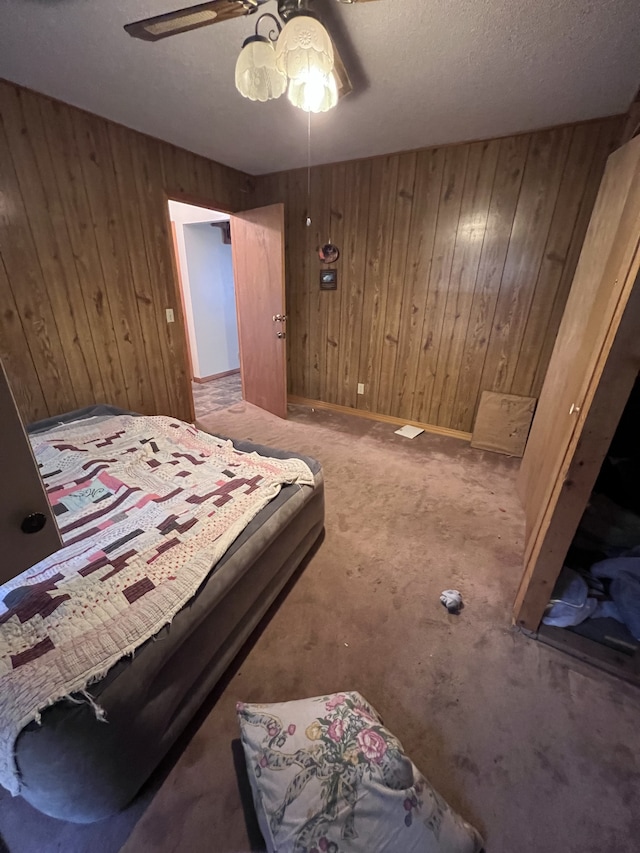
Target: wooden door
<point x="594" y="364"/>
<point x="28" y="529"/>
<point x="257" y="242"/>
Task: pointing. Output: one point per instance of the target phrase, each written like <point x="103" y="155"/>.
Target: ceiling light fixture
<point x="257" y="75"/>
<point x="302" y="62"/>
<point x="305" y="54"/>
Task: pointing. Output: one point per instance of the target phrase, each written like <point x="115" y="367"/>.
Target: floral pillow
<point x="327" y="777"/>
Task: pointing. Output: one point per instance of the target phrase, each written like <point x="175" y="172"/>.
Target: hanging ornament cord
<point x="309" y="220"/>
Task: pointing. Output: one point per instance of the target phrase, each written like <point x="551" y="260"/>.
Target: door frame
<point x="609" y="362"/>
<point x="609" y="389"/>
<point x="196" y="201"/>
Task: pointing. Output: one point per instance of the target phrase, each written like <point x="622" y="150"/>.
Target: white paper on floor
<point x="409" y="431"/>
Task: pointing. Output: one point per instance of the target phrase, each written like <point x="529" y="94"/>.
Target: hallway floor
<point x="217" y="394"/>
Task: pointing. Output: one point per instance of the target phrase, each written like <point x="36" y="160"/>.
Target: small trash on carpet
<point x="408" y="431"/>
<point x="452" y="600"/>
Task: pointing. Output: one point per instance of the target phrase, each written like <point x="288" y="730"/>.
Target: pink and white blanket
<point x="145" y="507"/>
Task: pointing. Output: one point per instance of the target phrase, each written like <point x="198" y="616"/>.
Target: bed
<point x="73" y="766"/>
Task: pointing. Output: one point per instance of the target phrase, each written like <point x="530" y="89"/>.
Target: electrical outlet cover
<point x="170" y="317"/>
<point x="360" y="388"/>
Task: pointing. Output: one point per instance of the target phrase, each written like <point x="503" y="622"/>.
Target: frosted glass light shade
<point x="257" y="76"/>
<point x="304" y="46"/>
<point x="314" y="92"/>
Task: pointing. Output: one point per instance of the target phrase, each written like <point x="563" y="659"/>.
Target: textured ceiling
<point x="426" y="72"/>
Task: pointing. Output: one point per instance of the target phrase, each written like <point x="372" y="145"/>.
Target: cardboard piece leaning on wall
<point x="503" y="423"/>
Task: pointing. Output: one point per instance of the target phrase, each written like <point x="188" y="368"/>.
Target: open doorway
<point x="253" y="332"/>
<point x="202" y="244"/>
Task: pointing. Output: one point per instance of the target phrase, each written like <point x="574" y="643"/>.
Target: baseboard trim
<point x="375" y="416"/>
<point x="202" y="379"/>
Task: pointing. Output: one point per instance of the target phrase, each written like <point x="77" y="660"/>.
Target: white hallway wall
<point x="213" y="300"/>
<point x="213" y="336"/>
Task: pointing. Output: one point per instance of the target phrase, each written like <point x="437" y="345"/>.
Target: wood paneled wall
<point x="456" y="265"/>
<point x="86" y="269"/>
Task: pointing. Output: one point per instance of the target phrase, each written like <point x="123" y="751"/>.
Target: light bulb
<point x="313" y="91"/>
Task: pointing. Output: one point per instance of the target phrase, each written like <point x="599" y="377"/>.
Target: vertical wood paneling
<point x="86" y="265"/>
<point x="504" y="198"/>
<point x="456" y="264"/>
<point x="333" y="303"/>
<point x="29" y="290"/>
<point x="317" y="299"/>
<point x="34" y="170"/>
<point x="472" y="227"/>
<point x="155" y="228"/>
<point x="424" y="218"/>
<point x="16" y="356"/>
<point x="106" y="217"/>
<point x="296" y="237"/>
<point x="141" y="270"/>
<point x="356" y="212"/>
<point x="608" y="140"/>
<point x="455" y="170"/>
<point x="536" y="205"/>
<point x="377" y="244"/>
<point x="455" y="268"/>
<point x="573" y="184"/>
<point x="60" y="140"/>
<point x="396" y="280"/>
<point x="321" y="205"/>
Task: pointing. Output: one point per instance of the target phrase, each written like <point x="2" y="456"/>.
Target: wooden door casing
<point x="257" y="242"/>
<point x="595" y="291"/>
<point x="178" y="272"/>
<point x="592" y="370"/>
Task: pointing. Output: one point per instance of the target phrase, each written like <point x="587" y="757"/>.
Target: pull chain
<point x="309" y="220"/>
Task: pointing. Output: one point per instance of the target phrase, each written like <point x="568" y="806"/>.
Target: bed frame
<point x="79" y="769"/>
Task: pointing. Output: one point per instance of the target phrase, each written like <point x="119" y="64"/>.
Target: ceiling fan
<point x="213" y="12"/>
<point x="269" y="65"/>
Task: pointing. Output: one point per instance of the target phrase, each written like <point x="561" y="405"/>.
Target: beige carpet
<point x="536" y="749"/>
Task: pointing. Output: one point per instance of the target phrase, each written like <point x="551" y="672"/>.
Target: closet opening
<point x="594" y="611"/>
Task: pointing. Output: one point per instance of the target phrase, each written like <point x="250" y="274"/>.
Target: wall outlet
<point x="360" y="387"/>
<point x="170" y="317"/>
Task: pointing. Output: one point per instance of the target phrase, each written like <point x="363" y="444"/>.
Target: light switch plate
<point x="360" y="387"/>
<point x="170" y="317"/>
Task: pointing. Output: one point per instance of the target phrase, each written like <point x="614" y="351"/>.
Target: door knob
<point x="279" y="318"/>
<point x="574" y="410"/>
<point x="33" y="523"/>
<point x="281" y="335"/>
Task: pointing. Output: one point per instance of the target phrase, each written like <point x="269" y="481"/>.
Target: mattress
<point x="73" y="766"/>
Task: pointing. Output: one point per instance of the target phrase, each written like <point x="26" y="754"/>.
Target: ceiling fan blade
<point x="191" y="18"/>
<point x="343" y="81"/>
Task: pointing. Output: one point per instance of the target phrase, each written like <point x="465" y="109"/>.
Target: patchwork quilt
<point x="146" y="507"/>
